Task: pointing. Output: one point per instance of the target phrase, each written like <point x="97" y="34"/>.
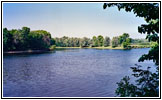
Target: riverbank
<point x="109" y="47"/>
<point x="90" y="47"/>
<point x="26" y="52"/>
<point x="140" y="46"/>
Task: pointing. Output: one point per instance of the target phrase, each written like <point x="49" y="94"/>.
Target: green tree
<point x="39" y="39"/>
<point x="76" y="42"/>
<point x="18" y="41"/>
<point x="24" y="39"/>
<point x="85" y="42"/>
<point x="68" y="42"/>
<point x="123" y="38"/>
<point x="52" y="42"/>
<point x="65" y="41"/>
<point x="147" y="83"/>
<point x="106" y="41"/>
<point x="25" y="31"/>
<point x="7" y="40"/>
<point x="126" y="43"/>
<point x="115" y="42"/>
<point x="100" y="39"/>
<point x="94" y="41"/>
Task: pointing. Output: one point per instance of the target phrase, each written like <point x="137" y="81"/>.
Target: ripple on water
<point x="68" y="73"/>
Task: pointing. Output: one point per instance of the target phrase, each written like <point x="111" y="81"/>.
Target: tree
<point x="85" y="42"/>
<point x="7" y="40"/>
<point x="68" y="42"/>
<point x="147" y="83"/>
<point x="39" y="39"/>
<point x="126" y="43"/>
<point x="123" y="38"/>
<point x="115" y="42"/>
<point x="65" y="41"/>
<point x="18" y="41"/>
<point x="94" y="41"/>
<point x="100" y="40"/>
<point x="25" y="31"/>
<point x="125" y="89"/>
<point x="106" y="41"/>
<point x="76" y="42"/>
<point x="52" y="42"/>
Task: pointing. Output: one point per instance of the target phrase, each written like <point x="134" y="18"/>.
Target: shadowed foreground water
<point x="68" y="73"/>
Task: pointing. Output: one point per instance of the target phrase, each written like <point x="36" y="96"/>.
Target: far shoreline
<point x="111" y="48"/>
<point x="44" y="51"/>
<point x="120" y="48"/>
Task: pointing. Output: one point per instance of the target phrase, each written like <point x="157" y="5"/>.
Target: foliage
<point x="52" y="47"/>
<point x="124" y="40"/>
<point x="53" y="41"/>
<point x="147" y="82"/>
<point x="100" y="40"/>
<point x="150" y="11"/>
<point x="135" y="41"/>
<point x="39" y="39"/>
<point x="147" y="10"/>
<point x="82" y="42"/>
<point x="67" y="42"/>
<point x="152" y="55"/>
<point x="126" y="43"/>
<point x="115" y="41"/>
<point x="7" y="40"/>
<point x="24" y="32"/>
<point x="17" y="40"/>
<point x="125" y="89"/>
<point x="24" y="39"/>
<point x="94" y="41"/>
<point x="85" y="42"/>
<point x="107" y="41"/>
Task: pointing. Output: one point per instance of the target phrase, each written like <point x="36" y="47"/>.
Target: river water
<point x="68" y="72"/>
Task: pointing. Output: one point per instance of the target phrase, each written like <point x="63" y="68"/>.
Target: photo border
<point x="81" y="97"/>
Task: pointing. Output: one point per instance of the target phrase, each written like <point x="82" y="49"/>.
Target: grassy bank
<point x="66" y="47"/>
<point x="91" y="47"/>
<point x="109" y="47"/>
<point x="140" y="46"/>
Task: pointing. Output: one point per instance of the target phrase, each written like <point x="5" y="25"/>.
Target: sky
<point x="72" y="19"/>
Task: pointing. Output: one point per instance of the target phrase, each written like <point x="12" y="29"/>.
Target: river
<point x="68" y="72"/>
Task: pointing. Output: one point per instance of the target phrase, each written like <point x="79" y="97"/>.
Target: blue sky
<point x="71" y="19"/>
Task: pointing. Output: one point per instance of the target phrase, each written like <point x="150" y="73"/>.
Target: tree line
<point x="82" y="42"/>
<point x="96" y="41"/>
<point x="24" y="39"/>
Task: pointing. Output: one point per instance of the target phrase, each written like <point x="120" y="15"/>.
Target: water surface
<point x="68" y="72"/>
